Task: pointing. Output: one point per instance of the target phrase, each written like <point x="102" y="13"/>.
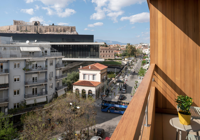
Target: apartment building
<point x="30" y="73"/>
<point x="107" y="52"/>
<point x="92" y="80"/>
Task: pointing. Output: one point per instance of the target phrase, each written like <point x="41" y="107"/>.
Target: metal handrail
<point x="61" y="76"/>
<point x="4" y="71"/>
<point x="32" y="95"/>
<point x="61" y="87"/>
<point x="36" y="69"/>
<point x="4" y="100"/>
<point x="4" y="85"/>
<point x="35" y="82"/>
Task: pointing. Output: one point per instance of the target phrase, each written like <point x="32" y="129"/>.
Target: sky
<point x="126" y="21"/>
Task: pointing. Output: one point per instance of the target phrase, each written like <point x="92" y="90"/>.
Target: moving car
<point x="123" y="91"/>
<point x="96" y="138"/>
<point x="122" y="97"/>
<point x="100" y="132"/>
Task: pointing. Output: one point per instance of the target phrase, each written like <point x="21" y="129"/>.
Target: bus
<point x="117" y="107"/>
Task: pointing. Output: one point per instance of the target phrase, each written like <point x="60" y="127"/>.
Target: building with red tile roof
<point x="91" y="80"/>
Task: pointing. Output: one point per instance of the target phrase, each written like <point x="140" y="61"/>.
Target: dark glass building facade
<point x="78" y="51"/>
<point x="49" y="37"/>
<point x="69" y="51"/>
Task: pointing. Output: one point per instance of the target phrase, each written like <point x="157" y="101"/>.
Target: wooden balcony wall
<point x="175" y="49"/>
<point x="130" y="126"/>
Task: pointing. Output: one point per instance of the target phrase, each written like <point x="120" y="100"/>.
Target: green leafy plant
<point x="184" y="103"/>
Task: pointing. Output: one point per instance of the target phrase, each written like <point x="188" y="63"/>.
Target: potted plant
<point x="184" y="103"/>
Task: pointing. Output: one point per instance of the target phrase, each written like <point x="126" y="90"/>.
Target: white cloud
<point x="142" y="17"/>
<point x="37" y="7"/>
<point x="29" y="1"/>
<point x="147" y="38"/>
<point x="92" y="30"/>
<point x="133" y="27"/>
<point x="111" y="8"/>
<point x="121" y="28"/>
<point x="116" y="5"/>
<point x="100" y="14"/>
<point x="86" y="29"/>
<point x="28" y="11"/>
<point x="62" y="24"/>
<point x="66" y="13"/>
<point x="138" y="36"/>
<point x="95" y="24"/>
<point x="49" y="11"/>
<point x="40" y="19"/>
<point x="114" y="15"/>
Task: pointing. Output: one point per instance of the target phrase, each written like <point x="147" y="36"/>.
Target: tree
<point x="105" y="45"/>
<point x="144" y="62"/>
<point x="141" y="72"/>
<point x="131" y="50"/>
<point x="71" y="78"/>
<point x="7" y="130"/>
<point x="59" y="117"/>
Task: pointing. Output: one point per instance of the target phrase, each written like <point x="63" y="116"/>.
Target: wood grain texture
<point x="175" y="49"/>
<point x="131" y="122"/>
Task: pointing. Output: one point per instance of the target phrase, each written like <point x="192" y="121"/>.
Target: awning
<point x="30" y="49"/>
<point x="29" y="102"/>
<point x="61" y="92"/>
<point x="39" y="100"/>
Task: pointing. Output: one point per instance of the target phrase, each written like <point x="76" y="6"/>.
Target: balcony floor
<point x="163" y="129"/>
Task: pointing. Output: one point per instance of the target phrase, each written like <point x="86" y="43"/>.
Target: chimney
<point x="89" y="67"/>
<point x="81" y="67"/>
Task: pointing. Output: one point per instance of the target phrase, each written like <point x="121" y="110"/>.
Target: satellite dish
<point x="27" y="41"/>
<point x="35" y="41"/>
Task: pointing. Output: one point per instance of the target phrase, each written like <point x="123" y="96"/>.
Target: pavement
<point x="109" y="121"/>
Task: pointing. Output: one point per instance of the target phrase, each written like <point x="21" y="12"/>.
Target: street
<point x="109" y="121"/>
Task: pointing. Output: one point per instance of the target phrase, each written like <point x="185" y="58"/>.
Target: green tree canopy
<point x="141" y="72"/>
<point x="71" y="78"/>
<point x="131" y="50"/>
<point x="7" y="131"/>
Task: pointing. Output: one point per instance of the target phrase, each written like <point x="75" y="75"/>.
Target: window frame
<point x="17" y="77"/>
<point x="17" y="92"/>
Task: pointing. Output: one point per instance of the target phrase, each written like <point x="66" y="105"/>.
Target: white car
<point x="96" y="138"/>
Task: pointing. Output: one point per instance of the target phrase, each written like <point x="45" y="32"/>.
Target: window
<point x="94" y="77"/>
<point x="16" y="65"/>
<point x="34" y="65"/>
<point x="34" y="91"/>
<point x="84" y="76"/>
<point x="51" y="75"/>
<point x="16" y="78"/>
<point x="51" y="86"/>
<point x="16" y="92"/>
<point x="34" y="79"/>
<point x="45" y="52"/>
<point x="51" y="62"/>
<point x="16" y="105"/>
<point x="31" y="53"/>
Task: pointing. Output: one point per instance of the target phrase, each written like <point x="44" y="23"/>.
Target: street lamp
<point x="74" y="108"/>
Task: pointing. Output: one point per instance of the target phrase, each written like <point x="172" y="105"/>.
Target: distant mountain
<point x="109" y="42"/>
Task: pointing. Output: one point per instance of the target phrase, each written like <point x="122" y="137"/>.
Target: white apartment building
<point x="91" y="82"/>
<point x="30" y="73"/>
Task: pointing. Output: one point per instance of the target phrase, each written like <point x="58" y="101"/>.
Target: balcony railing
<point x="131" y="123"/>
<point x="61" y="87"/>
<point x="2" y="71"/>
<point x="35" y="55"/>
<point x="60" y="65"/>
<point x="35" y="69"/>
<point x="61" y="76"/>
<point x="4" y="86"/>
<point x="4" y="100"/>
<point x="35" y="82"/>
<point x="30" y="95"/>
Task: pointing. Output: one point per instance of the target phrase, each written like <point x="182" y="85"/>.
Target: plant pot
<point x="184" y="119"/>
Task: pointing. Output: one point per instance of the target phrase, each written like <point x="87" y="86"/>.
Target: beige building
<point x="36" y="27"/>
<point x="107" y="52"/>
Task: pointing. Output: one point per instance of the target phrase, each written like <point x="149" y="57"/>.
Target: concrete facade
<point x="28" y="74"/>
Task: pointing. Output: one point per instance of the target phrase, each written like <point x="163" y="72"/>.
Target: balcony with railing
<point x="37" y="69"/>
<point x="61" y="76"/>
<point x="61" y="87"/>
<point x="31" y="95"/>
<point x="2" y="86"/>
<point x="35" y="82"/>
<point x="4" y="71"/>
<point x="58" y="65"/>
<point x="4" y="100"/>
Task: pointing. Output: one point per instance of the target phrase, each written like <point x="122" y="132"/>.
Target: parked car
<point x="122" y="97"/>
<point x="107" y="138"/>
<point x="100" y="132"/>
<point x="123" y="91"/>
<point x="96" y="138"/>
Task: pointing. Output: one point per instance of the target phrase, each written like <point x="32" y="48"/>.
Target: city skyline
<point x="123" y="21"/>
